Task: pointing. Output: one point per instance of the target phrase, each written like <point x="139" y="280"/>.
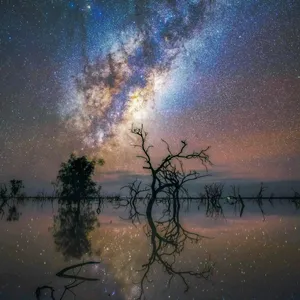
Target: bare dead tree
<point x="169" y="172"/>
<point x="212" y="197"/>
<point x="10" y="198"/>
<point x="236" y="200"/>
<point x="167" y="235"/>
<point x="259" y="200"/>
<point x="296" y="200"/>
<point x="134" y="200"/>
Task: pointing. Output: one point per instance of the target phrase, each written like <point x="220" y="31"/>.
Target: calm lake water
<point x="248" y="258"/>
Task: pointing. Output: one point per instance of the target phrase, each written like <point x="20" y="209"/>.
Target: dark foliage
<point x="74" y="180"/>
<point x="11" y="196"/>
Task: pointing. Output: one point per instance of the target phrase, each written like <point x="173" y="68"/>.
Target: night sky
<point x="76" y="74"/>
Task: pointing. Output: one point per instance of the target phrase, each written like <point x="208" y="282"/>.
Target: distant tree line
<point x="74" y="182"/>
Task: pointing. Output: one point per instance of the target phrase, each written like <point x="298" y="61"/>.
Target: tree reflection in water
<point x="71" y="230"/>
<point x="76" y="280"/>
<point x="168" y="238"/>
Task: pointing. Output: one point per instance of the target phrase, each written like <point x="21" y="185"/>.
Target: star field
<point x="76" y="74"/>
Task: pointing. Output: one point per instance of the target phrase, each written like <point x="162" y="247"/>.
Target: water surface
<point x="245" y="258"/>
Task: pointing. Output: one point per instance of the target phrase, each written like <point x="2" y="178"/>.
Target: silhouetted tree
<point x="135" y="199"/>
<point x="10" y="198"/>
<point x="296" y="200"/>
<point x="74" y="180"/>
<point x="212" y="197"/>
<point x="167" y="235"/>
<point x="236" y="200"/>
<point x="16" y="187"/>
<point x="169" y="177"/>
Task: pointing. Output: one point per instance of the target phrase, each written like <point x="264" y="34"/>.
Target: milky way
<point x="77" y="74"/>
<point x="118" y="86"/>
